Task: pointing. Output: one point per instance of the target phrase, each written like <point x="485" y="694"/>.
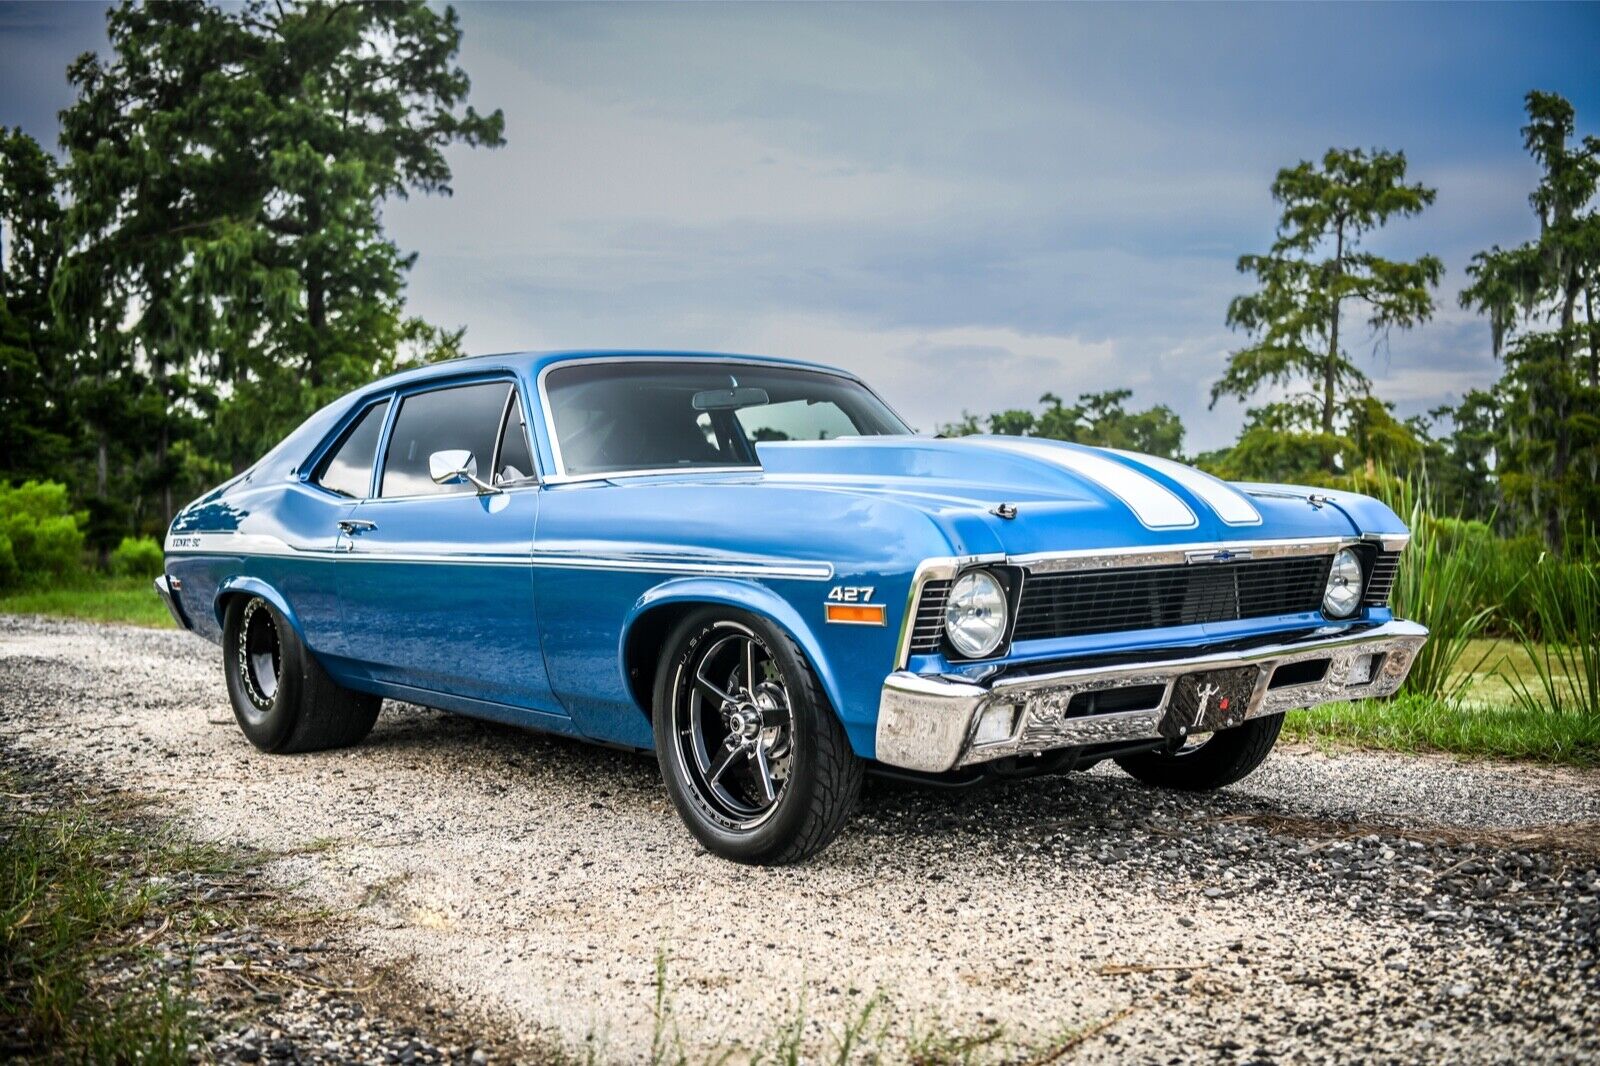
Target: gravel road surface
<point x="1329" y="908"/>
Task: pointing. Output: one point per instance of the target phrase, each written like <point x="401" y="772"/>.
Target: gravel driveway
<point x="1328" y="908"/>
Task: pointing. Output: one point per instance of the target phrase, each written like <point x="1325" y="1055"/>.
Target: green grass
<point x="130" y="600"/>
<point x="1486" y="719"/>
<point x="78" y="981"/>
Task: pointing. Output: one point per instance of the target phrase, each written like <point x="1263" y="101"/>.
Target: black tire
<point x="283" y="700"/>
<point x="800" y="810"/>
<point x="1225" y="757"/>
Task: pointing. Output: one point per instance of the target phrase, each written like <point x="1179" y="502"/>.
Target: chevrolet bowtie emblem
<point x="1219" y="555"/>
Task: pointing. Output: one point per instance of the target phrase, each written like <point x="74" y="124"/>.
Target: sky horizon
<point x="968" y="206"/>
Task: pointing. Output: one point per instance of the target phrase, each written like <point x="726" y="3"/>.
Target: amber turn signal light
<point x="859" y="614"/>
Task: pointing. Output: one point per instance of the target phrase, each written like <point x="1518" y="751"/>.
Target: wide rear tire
<point x="283" y="700"/>
<point x="1225" y="757"/>
<point x="752" y="754"/>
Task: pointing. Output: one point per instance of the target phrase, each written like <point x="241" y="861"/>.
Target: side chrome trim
<point x="257" y="544"/>
<point x="741" y="568"/>
<point x="927" y="723"/>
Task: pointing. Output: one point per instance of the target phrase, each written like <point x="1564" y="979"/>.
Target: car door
<point x="434" y="577"/>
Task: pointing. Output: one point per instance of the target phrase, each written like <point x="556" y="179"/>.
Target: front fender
<point x="256" y="587"/>
<point x="749" y="596"/>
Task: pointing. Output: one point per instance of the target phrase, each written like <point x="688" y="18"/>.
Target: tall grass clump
<point x="1565" y="649"/>
<point x="1441" y="586"/>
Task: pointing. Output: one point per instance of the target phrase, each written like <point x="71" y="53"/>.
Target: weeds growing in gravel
<point x="864" y="1036"/>
<point x="77" y="982"/>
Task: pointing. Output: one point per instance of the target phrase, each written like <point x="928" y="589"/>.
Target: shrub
<point x="137" y="557"/>
<point x="44" y="535"/>
<point x="9" y="574"/>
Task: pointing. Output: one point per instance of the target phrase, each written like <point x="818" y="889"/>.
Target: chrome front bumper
<point x="928" y="723"/>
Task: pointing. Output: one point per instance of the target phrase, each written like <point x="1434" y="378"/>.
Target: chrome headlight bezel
<point x="977" y="614"/>
<point x="1347" y="578"/>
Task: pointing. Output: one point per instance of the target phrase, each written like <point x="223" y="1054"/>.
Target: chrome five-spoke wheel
<point x="753" y="756"/>
<point x="734" y="726"/>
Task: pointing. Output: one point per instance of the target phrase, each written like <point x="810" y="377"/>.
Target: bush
<point x="137" y="557"/>
<point x="43" y="532"/>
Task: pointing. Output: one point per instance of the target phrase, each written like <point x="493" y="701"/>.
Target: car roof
<point x="534" y="363"/>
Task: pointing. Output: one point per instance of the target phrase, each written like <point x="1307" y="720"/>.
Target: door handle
<point x="353" y="526"/>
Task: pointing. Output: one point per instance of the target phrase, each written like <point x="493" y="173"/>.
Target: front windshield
<point x="620" y="416"/>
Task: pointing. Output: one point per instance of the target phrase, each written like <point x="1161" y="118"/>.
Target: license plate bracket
<point x="1209" y="700"/>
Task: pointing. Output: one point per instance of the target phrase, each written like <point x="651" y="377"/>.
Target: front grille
<point x="1155" y="597"/>
<point x="927" y="629"/>
<point x="1384" y="570"/>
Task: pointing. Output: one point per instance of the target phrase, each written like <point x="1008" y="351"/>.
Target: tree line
<point x="1523" y="454"/>
<point x="205" y="263"/>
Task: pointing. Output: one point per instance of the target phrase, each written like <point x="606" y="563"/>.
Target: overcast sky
<point x="966" y="205"/>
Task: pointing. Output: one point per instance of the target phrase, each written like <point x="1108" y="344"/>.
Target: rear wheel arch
<point x="241" y="587"/>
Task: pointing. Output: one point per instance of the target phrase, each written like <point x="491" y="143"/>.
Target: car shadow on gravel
<point x="996" y="815"/>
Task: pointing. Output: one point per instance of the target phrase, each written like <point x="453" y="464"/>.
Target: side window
<point x="347" y="469"/>
<point x="464" y="418"/>
<point x="516" y="460"/>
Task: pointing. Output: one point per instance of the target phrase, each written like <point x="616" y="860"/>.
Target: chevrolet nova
<point x="754" y="567"/>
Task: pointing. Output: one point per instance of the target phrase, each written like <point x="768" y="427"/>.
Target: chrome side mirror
<point x="456" y="466"/>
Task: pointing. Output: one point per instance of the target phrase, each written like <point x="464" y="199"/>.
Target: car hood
<point x="1066" y="496"/>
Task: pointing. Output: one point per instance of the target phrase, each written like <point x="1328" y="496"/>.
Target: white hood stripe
<point x="1154" y="505"/>
<point x="1231" y="505"/>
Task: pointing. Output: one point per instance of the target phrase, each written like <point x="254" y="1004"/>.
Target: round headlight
<point x="975" y="614"/>
<point x="1343" y="594"/>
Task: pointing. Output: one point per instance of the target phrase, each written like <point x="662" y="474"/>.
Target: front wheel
<point x="1214" y="762"/>
<point x="753" y="758"/>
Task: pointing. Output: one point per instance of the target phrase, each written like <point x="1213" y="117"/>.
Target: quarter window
<point x="516" y="460"/>
<point x="347" y="469"/>
<point x="464" y="418"/>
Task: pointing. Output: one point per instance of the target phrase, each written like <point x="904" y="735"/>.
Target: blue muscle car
<point x="755" y="568"/>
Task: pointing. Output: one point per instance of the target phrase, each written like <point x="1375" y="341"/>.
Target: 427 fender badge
<point x="852" y="605"/>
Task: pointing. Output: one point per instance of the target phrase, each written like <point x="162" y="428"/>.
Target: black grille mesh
<point x="1154" y="597"/>
<point x="1384" y="570"/>
<point x="928" y="627"/>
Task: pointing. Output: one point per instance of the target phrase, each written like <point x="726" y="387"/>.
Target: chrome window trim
<point x="422" y="388"/>
<point x="305" y="470"/>
<point x="548" y="416"/>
